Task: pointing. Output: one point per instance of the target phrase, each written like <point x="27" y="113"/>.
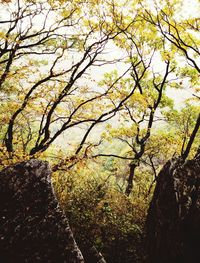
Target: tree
<point x="156" y="31"/>
<point x="182" y="36"/>
<point x="148" y="98"/>
<point x="51" y="96"/>
<point x="62" y="49"/>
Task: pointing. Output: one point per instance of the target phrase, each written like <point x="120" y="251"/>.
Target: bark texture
<point x="32" y="226"/>
<point x="173" y="221"/>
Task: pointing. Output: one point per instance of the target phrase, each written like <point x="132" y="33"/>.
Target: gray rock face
<point x="173" y="221"/>
<point x="32" y="226"/>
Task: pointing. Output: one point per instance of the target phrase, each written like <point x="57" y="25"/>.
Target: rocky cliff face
<point x="173" y="221"/>
<point x="32" y="226"/>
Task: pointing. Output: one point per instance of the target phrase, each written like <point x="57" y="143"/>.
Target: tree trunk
<point x="173" y="221"/>
<point x="129" y="187"/>
<point x="32" y="226"/>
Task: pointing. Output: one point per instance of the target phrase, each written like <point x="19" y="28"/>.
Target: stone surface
<point x="32" y="226"/>
<point x="92" y="255"/>
<point x="173" y="221"/>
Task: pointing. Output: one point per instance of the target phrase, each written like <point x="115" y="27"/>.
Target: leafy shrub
<point x="102" y="216"/>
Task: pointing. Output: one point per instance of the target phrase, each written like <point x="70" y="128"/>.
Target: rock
<point x="173" y="221"/>
<point x="92" y="255"/>
<point x="32" y="226"/>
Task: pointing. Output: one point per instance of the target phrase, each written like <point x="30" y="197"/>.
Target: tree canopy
<point x="67" y="64"/>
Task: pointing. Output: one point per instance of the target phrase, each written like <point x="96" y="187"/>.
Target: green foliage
<point x="101" y="215"/>
<point x="181" y="124"/>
